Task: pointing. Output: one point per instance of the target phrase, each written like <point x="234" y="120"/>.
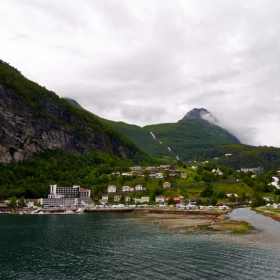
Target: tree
<point x="257" y="200"/>
<point x="171" y="201"/>
<point x="208" y="191"/>
<point x="207" y="176"/>
<point x="221" y="194"/>
<point x="199" y="201"/>
<point x="180" y="163"/>
<point x="13" y="203"/>
<point x="21" y="203"/>
<point x="214" y="200"/>
<point x="197" y="178"/>
<point x="122" y="199"/>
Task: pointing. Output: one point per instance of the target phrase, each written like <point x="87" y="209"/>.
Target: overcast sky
<point x="146" y="62"/>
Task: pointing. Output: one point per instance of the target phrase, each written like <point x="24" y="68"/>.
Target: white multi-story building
<point x="66" y="192"/>
<point x="84" y="193"/>
<point x="66" y="197"/>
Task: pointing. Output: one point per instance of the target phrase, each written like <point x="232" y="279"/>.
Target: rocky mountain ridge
<point x="33" y="120"/>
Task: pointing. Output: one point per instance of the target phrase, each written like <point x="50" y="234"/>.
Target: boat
<point x="69" y="212"/>
<point x="80" y="210"/>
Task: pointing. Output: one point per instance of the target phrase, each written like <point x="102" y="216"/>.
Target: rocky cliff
<point x="33" y="119"/>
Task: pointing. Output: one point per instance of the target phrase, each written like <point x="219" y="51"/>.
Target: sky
<point x="148" y="62"/>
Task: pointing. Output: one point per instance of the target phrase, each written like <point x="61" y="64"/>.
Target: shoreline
<point x="195" y="220"/>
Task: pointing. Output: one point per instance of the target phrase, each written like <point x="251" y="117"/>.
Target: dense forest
<point x="31" y="178"/>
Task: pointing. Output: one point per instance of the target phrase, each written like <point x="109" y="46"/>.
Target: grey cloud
<point x="217" y="76"/>
<point x="153" y="61"/>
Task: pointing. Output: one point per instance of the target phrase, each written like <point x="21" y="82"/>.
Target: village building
<point x="127" y="174"/>
<point x="159" y="198"/>
<point x="164" y="167"/>
<point x="159" y="175"/>
<point x="111" y="189"/>
<point x="228" y="195"/>
<point x="145" y="199"/>
<point x="84" y="193"/>
<point x="138" y="188"/>
<point x="151" y="169"/>
<point x="136" y="169"/>
<point x="65" y="196"/>
<point x="217" y="171"/>
<point x="104" y="199"/>
<point x="184" y="176"/>
<point x="166" y="185"/>
<point x="192" y="201"/>
<point x="137" y="200"/>
<point x="177" y="200"/>
<point x="3" y="207"/>
<point x="126" y="189"/>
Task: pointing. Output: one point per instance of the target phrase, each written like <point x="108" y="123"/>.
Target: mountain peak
<point x="201" y="114"/>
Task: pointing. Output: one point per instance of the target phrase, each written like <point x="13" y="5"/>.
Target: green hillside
<point x="190" y="134"/>
<point x="34" y="120"/>
<point x="142" y="138"/>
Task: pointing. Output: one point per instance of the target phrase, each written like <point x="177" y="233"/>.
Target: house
<point x="30" y="204"/>
<point x="117" y="197"/>
<point x="111" y="189"/>
<point x="184" y="176"/>
<point x="104" y="199"/>
<point x="126" y="173"/>
<point x="166" y="185"/>
<point x="151" y="169"/>
<point x="136" y="169"/>
<point x="228" y="195"/>
<point x="159" y="198"/>
<point x="127" y="198"/>
<point x="86" y="202"/>
<point x="105" y="196"/>
<point x="126" y="189"/>
<point x="145" y="199"/>
<point x="159" y="175"/>
<point x="165" y="167"/>
<point x="137" y="200"/>
<point x="138" y="188"/>
<point x="192" y="201"/>
<point x="217" y="171"/>
<point x="177" y="200"/>
<point x="153" y="176"/>
<point x="3" y="207"/>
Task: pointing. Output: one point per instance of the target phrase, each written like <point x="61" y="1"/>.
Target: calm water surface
<point x="117" y="246"/>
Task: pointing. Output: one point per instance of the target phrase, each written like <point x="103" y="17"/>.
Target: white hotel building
<point x="67" y="197"/>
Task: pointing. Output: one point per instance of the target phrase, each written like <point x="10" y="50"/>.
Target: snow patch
<point x="153" y="135"/>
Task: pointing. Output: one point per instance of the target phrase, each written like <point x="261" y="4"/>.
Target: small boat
<point x="80" y="210"/>
<point x="69" y="212"/>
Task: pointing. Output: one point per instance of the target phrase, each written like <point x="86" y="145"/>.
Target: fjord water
<point x="120" y="246"/>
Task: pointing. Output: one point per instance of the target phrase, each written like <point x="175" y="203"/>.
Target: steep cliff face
<point x="33" y="120"/>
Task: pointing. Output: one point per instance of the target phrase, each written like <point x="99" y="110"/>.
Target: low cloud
<point x="151" y="62"/>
